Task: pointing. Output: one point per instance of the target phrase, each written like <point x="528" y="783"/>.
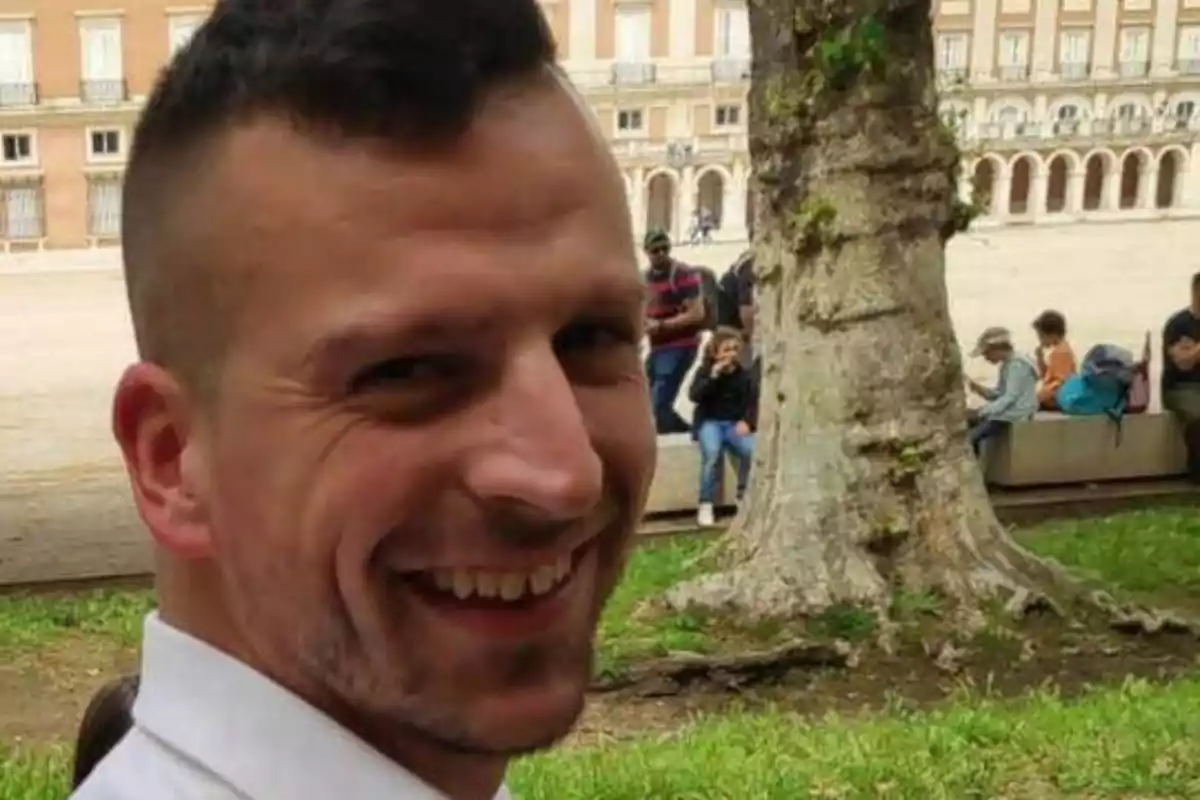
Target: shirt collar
<point x="252" y="733"/>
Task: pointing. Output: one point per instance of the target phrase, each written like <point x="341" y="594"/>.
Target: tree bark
<point x="863" y="481"/>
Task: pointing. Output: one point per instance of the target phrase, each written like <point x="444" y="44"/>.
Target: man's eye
<point x="594" y="335"/>
<point x="401" y="372"/>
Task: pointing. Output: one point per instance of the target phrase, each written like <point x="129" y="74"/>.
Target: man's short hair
<point x="1196" y="282"/>
<point x="656" y="237"/>
<point x="1051" y="323"/>
<point x="404" y="71"/>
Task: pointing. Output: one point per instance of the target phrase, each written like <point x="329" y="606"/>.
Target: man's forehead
<point x="526" y="154"/>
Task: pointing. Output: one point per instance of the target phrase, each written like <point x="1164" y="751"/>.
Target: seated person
<point x="1055" y="358"/>
<point x="1181" y="375"/>
<point x="724" y="393"/>
<point x="1015" y="397"/>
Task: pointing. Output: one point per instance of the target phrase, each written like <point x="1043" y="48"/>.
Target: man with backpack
<point x="1181" y="375"/>
<point x="675" y="316"/>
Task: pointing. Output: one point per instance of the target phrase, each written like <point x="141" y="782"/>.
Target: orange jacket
<point x="1055" y="365"/>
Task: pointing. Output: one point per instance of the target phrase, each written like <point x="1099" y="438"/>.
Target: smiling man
<point x="389" y="430"/>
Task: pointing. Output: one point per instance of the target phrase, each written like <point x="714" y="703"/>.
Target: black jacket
<point x="733" y="397"/>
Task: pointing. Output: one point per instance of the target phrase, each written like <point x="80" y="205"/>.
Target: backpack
<point x="709" y="292"/>
<point x="1102" y="385"/>
<point x="729" y="301"/>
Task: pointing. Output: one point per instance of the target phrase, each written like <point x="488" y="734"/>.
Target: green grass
<point x="625" y="634"/>
<point x="1136" y="740"/>
<point x="31" y="622"/>
<point x="1150" y="554"/>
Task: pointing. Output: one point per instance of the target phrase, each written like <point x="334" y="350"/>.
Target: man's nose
<point x="537" y="457"/>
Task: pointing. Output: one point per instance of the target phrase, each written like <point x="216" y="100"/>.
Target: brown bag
<point x="1139" y="390"/>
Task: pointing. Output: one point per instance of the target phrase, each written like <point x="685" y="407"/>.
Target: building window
<point x="1134" y="52"/>
<point x="1013" y="55"/>
<point x="104" y="206"/>
<point x="1181" y="119"/>
<point x="17" y="87"/>
<point x="106" y="144"/>
<point x="731" y="45"/>
<point x="732" y="32"/>
<point x="103" y="79"/>
<point x="952" y="51"/>
<point x="180" y="30"/>
<point x="633" y="63"/>
<point x="1074" y="53"/>
<point x="17" y="148"/>
<point x="1066" y="119"/>
<point x="629" y="121"/>
<point x="1188" y="56"/>
<point x="22" y="212"/>
<point x="728" y="116"/>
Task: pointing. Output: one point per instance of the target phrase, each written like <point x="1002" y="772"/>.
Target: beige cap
<point x="992" y="337"/>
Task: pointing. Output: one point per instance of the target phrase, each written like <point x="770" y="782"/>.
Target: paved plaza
<point x="65" y="337"/>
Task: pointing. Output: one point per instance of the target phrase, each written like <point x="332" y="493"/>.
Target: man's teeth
<point x="468" y="583"/>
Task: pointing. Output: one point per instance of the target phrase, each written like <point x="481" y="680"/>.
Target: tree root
<point x="669" y="676"/>
<point x="1138" y="620"/>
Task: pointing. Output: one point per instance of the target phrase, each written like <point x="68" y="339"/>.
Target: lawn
<point x="868" y="734"/>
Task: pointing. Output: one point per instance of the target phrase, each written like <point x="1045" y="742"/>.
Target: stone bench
<point x="677" y="478"/>
<point x="1058" y="449"/>
<point x="1053" y="449"/>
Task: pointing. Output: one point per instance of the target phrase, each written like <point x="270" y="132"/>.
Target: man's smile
<point x="504" y="603"/>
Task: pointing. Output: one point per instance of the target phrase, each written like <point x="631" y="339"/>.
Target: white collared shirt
<point x="208" y="727"/>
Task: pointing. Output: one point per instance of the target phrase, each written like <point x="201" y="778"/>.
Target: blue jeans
<point x="666" y="368"/>
<point x="716" y="436"/>
<point x="983" y="429"/>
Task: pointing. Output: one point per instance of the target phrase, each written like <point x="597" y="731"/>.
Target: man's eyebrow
<point x="351" y="339"/>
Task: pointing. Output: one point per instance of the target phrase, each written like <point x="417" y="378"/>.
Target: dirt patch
<point x="1043" y="655"/>
<point x="43" y="694"/>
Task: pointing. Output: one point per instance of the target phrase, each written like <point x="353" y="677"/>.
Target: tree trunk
<point x="863" y="481"/>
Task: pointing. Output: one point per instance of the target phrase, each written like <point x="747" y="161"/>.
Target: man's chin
<point x="518" y="725"/>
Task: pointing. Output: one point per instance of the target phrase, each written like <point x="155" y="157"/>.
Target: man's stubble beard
<point x="398" y="707"/>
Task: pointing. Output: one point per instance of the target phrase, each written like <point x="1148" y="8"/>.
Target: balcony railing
<point x="1065" y="127"/>
<point x="730" y="70"/>
<point x="1125" y="126"/>
<point x="1129" y="127"/>
<point x="1074" y="70"/>
<point x="1133" y="69"/>
<point x="18" y="94"/>
<point x="103" y="90"/>
<point x="952" y="76"/>
<point x="1013" y="73"/>
<point x="696" y="148"/>
<point x="1177" y="122"/>
<point x="1188" y="66"/>
<point x="633" y="73"/>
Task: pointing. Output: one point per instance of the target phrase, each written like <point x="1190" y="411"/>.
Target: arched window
<point x="1182" y="118"/>
<point x="1067" y="121"/>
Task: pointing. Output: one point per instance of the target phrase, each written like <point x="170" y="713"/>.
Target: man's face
<point x="659" y="255"/>
<point x="994" y="354"/>
<point x="432" y="442"/>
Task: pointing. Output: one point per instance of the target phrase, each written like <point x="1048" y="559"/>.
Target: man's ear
<point x="156" y="426"/>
